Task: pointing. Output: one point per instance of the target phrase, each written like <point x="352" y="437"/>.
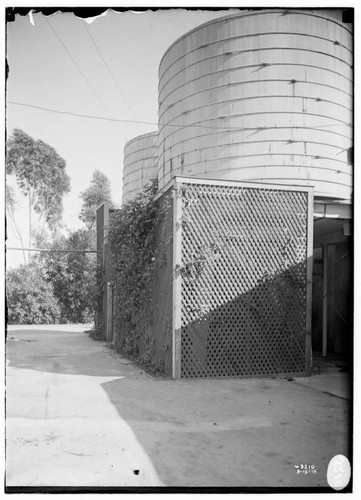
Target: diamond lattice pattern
<point x="243" y="300"/>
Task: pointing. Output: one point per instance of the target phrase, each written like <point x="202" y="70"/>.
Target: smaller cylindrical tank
<point x="140" y="164"/>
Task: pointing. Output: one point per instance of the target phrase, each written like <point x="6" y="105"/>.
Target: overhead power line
<point x="77" y="67"/>
<point x="109" y="70"/>
<point x="104" y="118"/>
<point x="81" y="73"/>
<point x="115" y="119"/>
<point x="50" y="250"/>
<point x="93" y="117"/>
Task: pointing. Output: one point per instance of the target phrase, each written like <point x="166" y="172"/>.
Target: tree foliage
<point x="97" y="193"/>
<point x="10" y="198"/>
<point x="72" y="274"/>
<point x="40" y="173"/>
<point x="30" y="297"/>
<point x="65" y="278"/>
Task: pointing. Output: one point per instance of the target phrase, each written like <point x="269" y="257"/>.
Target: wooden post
<point x="105" y="268"/>
<point x="177" y="281"/>
<point x="114" y="310"/>
<point x="105" y="226"/>
<point x="109" y="313"/>
<point x="324" y="300"/>
<point x="102" y="222"/>
<point x="309" y="264"/>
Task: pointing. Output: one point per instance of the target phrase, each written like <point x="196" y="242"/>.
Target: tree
<point x="30" y="297"/>
<point x="10" y="201"/>
<point x="71" y="273"/>
<point x="41" y="176"/>
<point x="97" y="193"/>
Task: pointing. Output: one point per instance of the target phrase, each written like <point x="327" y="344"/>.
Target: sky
<point x="106" y="68"/>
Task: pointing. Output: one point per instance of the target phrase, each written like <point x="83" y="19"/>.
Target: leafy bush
<point x="30" y="297"/>
<point x="72" y="275"/>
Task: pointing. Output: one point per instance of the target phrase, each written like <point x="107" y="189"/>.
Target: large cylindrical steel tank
<point x="140" y="164"/>
<point x="263" y="95"/>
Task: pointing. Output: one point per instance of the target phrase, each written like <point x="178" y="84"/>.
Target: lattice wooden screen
<point x="243" y="273"/>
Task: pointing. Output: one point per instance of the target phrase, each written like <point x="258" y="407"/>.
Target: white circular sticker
<point x="338" y="472"/>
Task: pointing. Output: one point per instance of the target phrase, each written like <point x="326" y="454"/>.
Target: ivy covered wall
<point x="135" y="253"/>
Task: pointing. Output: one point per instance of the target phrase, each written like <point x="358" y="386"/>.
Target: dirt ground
<point x="79" y="415"/>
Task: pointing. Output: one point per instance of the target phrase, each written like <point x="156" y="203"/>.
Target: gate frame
<point x="177" y="258"/>
<point x="102" y="225"/>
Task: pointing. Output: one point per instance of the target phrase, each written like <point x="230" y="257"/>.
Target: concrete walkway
<point x="62" y="430"/>
<point x="80" y="415"/>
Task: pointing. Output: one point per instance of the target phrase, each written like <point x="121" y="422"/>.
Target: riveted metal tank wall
<point x="264" y="95"/>
<point x="140" y="164"/>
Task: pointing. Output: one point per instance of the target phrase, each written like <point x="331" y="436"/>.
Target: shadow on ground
<point x="248" y="433"/>
<point x="207" y="432"/>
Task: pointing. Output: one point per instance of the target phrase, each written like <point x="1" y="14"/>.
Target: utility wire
<point x="109" y="70"/>
<point x="80" y="71"/>
<point x="77" y="67"/>
<point x="117" y="119"/>
<point x="51" y="250"/>
<point x="49" y="110"/>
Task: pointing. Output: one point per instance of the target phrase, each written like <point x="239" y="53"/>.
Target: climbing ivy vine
<point x="131" y="237"/>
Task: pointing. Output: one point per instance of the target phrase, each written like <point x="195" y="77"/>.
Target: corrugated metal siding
<point x="140" y="164"/>
<point x="261" y="96"/>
